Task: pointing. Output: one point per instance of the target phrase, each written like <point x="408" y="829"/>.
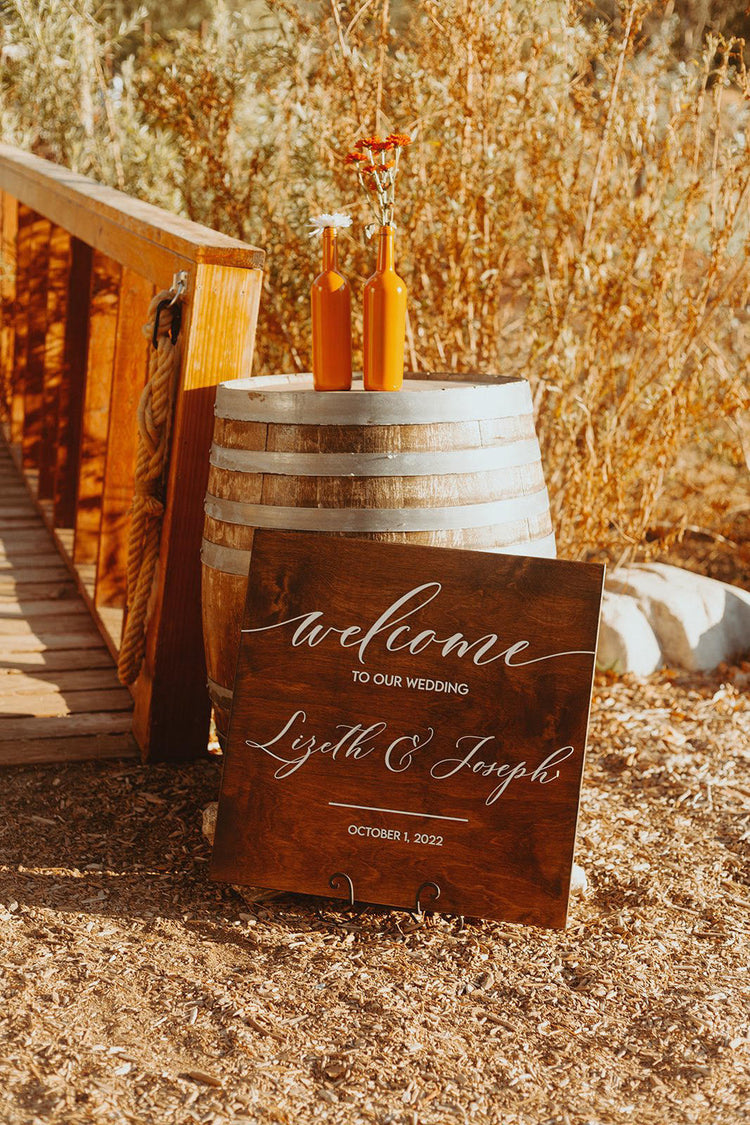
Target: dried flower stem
<point x="376" y="160"/>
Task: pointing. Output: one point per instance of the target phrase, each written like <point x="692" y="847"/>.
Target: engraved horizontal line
<point x="399" y="812"/>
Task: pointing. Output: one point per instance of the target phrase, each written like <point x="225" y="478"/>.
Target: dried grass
<point x="134" y="990"/>
<point x="575" y="207"/>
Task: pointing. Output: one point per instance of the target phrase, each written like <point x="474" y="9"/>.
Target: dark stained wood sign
<point x="409" y="719"/>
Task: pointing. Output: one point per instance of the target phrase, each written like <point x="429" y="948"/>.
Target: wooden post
<point x="130" y="369"/>
<point x="54" y="356"/>
<point x="33" y="392"/>
<point x="72" y="389"/>
<point x="105" y="284"/>
<point x="8" y="235"/>
<point x="21" y="325"/>
<point x="171" y="700"/>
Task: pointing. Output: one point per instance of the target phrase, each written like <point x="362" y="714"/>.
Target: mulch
<point x="134" y="990"/>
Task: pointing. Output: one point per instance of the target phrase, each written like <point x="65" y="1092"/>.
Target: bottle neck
<point x="385" y="249"/>
<point x="330" y="249"/>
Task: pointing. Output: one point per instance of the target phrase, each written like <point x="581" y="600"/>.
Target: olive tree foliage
<point x="68" y="92"/>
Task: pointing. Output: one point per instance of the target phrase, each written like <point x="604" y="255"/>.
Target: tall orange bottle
<point x="331" y="322"/>
<point x="384" y="321"/>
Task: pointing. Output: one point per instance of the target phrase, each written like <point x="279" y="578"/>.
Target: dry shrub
<point x="54" y="83"/>
<point x="574" y="208"/>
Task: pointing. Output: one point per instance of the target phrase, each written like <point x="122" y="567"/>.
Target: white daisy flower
<point x="337" y="220"/>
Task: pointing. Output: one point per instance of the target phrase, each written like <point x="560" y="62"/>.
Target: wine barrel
<point x="450" y="464"/>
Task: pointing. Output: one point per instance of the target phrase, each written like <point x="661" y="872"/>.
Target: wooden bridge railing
<point x="80" y="264"/>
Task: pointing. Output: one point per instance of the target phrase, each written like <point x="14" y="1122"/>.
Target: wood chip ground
<point x="133" y="990"/>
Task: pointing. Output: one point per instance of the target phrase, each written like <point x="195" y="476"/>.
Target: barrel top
<point x="292" y="400"/>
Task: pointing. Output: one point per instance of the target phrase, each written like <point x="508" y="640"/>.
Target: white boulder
<point x="655" y="614"/>
<point x="627" y="643"/>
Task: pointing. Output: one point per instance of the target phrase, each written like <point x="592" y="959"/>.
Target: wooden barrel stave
<point x="232" y="434"/>
<point x="375" y="492"/>
<point x="472" y="483"/>
<point x="224" y="595"/>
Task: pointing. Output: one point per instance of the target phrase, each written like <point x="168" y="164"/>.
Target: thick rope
<point x="154" y="415"/>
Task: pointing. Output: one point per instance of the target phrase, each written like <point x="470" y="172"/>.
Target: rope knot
<point x="147" y="502"/>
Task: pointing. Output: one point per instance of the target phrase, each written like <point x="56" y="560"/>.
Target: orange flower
<point x="397" y="140"/>
<point x="376" y="172"/>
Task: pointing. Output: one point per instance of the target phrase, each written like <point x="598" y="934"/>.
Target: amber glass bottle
<point x="331" y="322"/>
<point x="384" y="321"/>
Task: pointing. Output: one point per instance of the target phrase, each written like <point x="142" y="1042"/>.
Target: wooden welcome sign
<point x="409" y="722"/>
